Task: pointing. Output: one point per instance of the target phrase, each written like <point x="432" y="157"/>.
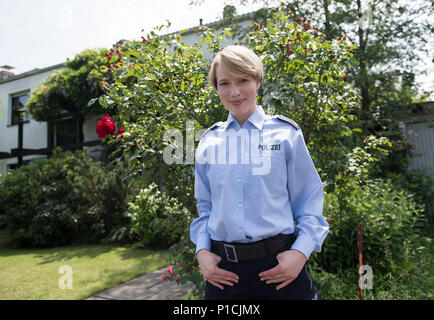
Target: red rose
<point x="109" y="57"/>
<point x="120" y="131"/>
<point x="105" y="126"/>
<point x="106" y="118"/>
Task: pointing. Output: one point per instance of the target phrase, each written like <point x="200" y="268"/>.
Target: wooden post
<point x="20" y="136"/>
<point x="50" y="137"/>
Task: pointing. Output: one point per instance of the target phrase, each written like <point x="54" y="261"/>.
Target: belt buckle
<point x="231" y="253"/>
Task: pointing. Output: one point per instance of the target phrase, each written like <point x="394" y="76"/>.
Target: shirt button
<point x="240" y="205"/>
<point x="239" y="179"/>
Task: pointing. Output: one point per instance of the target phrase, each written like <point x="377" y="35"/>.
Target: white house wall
<point x="34" y="132"/>
<point x="89" y="134"/>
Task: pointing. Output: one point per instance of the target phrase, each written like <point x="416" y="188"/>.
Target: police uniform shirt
<point x="257" y="181"/>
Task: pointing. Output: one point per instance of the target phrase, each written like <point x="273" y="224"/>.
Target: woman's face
<point x="238" y="95"/>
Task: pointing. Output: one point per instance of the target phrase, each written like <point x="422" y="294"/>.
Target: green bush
<point x="409" y="279"/>
<point x="66" y="198"/>
<point x="421" y="185"/>
<point x="39" y="208"/>
<point x="156" y="218"/>
<point x="183" y="255"/>
<point x="105" y="191"/>
<point x="339" y="285"/>
<point x="71" y="87"/>
<point x="391" y="222"/>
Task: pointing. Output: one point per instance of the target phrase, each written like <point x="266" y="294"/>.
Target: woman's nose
<point x="235" y="91"/>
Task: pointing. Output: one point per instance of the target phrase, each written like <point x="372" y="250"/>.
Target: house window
<point x="19" y="101"/>
<point x="65" y="132"/>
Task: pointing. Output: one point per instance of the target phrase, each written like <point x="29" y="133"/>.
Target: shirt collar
<point x="257" y="118"/>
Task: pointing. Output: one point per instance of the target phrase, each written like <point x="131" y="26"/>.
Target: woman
<point x="253" y="178"/>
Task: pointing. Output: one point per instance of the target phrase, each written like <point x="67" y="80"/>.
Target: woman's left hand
<point x="290" y="264"/>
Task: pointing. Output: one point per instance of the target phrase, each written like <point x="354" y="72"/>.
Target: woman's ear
<point x="258" y="85"/>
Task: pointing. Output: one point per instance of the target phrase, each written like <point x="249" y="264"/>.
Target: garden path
<point x="146" y="287"/>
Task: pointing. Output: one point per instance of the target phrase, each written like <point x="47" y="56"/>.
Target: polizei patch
<point x="269" y="146"/>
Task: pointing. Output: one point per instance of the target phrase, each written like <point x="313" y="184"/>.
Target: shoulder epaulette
<point x="209" y="129"/>
<point x="286" y="119"/>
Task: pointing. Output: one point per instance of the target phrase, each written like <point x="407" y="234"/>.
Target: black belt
<point x="235" y="252"/>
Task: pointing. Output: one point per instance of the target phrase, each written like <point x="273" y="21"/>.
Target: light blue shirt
<point x="254" y="182"/>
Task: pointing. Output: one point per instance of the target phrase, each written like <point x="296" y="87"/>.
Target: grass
<point x="34" y="273"/>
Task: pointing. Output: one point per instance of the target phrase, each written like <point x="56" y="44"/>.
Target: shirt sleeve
<point x="202" y="193"/>
<point x="306" y="197"/>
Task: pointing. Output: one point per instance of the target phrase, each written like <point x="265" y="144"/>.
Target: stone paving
<point x="147" y="287"/>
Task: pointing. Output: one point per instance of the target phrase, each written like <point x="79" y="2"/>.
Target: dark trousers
<point x="250" y="287"/>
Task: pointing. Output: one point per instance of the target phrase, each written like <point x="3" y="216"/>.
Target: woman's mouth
<point x="237" y="103"/>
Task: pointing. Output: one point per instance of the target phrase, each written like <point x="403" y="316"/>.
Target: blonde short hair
<point x="237" y="61"/>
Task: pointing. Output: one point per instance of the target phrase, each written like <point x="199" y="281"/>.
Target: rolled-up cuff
<point x="203" y="242"/>
<point x="304" y="244"/>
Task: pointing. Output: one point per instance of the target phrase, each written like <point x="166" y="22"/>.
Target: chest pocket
<point x="267" y="175"/>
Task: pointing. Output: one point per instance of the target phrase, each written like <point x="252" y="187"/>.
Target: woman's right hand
<point x="208" y="263"/>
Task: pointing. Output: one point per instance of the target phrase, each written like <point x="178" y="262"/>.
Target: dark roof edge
<point x="31" y="73"/>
